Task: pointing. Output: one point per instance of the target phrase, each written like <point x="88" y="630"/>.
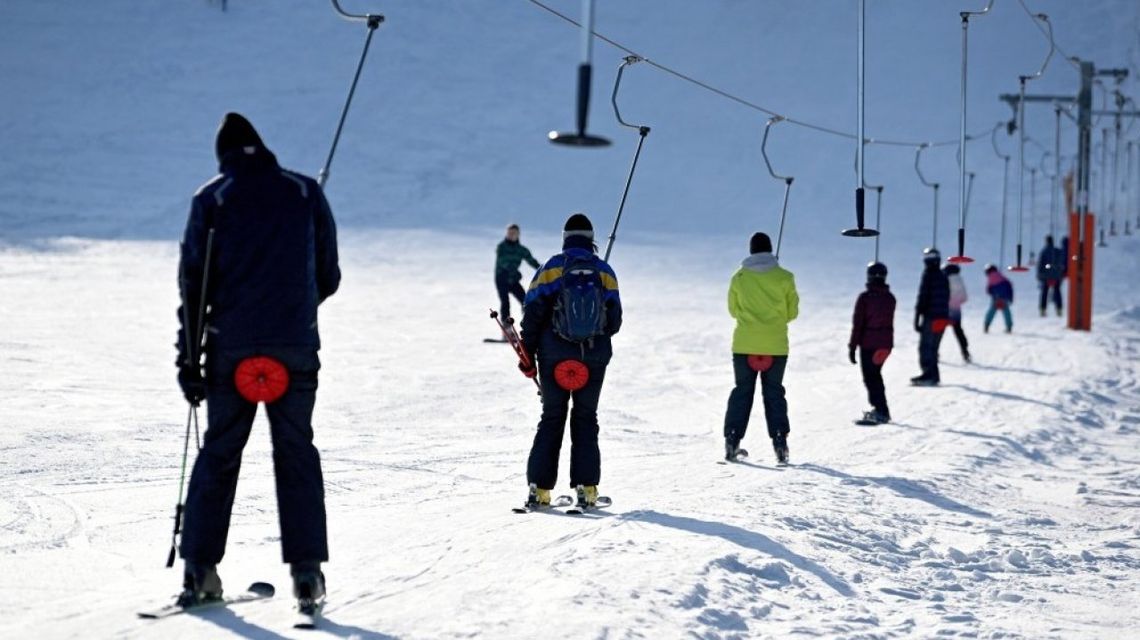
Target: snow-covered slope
<point x="1001" y="505"/>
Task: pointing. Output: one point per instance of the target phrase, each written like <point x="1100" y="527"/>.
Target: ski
<point x="308" y="614"/>
<point x="256" y="591"/>
<point x="580" y="509"/>
<point x="558" y="503"/>
<point x="496" y="340"/>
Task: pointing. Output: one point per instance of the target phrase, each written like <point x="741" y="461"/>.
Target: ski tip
<point x="263" y="589"/>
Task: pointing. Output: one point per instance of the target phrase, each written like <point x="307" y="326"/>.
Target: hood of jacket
<point x="760" y="262"/>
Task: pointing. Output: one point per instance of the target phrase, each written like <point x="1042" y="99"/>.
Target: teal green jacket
<point x="509" y="255"/>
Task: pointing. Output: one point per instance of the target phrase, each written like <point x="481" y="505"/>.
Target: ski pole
<point x="191" y="416"/>
<point x="373" y="22"/>
<point x="193" y="359"/>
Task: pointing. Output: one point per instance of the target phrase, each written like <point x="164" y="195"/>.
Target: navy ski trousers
<point x="296" y="462"/>
<point x="585" y="456"/>
<point x="743" y="395"/>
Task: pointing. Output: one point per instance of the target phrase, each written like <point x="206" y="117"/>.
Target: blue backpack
<point x="579" y="310"/>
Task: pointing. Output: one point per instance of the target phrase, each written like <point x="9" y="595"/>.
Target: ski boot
<point x="308" y="587"/>
<point x="537" y="498"/>
<point x="200" y="584"/>
<point x="873" y="418"/>
<point x="966" y="356"/>
<point x="780" y="445"/>
<point x="587" y="496"/>
<point x="733" y="452"/>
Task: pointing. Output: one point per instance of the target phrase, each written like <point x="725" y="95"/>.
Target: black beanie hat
<point x="578" y="225"/>
<point x="235" y="133"/>
<point x="760" y="243"/>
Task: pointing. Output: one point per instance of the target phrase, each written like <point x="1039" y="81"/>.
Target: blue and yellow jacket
<point x="538" y="309"/>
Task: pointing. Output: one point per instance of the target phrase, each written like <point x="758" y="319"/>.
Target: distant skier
<point x="872" y="335"/>
<point x="762" y="299"/>
<point x="508" y="281"/>
<point x="931" y="315"/>
<point x="958" y="297"/>
<point x="273" y="260"/>
<point x="572" y="310"/>
<point x="1000" y="290"/>
<point x="1051" y="265"/>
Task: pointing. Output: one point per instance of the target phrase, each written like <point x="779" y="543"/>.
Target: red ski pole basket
<point x="261" y="379"/>
<point x="571" y="375"/>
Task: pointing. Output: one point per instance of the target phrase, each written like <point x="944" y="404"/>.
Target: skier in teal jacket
<point x="508" y="281"/>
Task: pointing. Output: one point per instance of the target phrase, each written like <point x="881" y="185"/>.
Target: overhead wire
<point x="748" y="103"/>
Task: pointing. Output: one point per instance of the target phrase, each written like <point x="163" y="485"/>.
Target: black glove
<point x="192" y="383"/>
<point x="851" y="354"/>
<point x="530" y="370"/>
<point x="918" y="322"/>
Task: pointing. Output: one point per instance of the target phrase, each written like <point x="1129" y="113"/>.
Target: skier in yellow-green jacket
<point x="763" y="300"/>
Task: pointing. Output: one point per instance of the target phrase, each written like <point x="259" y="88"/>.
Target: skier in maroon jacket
<point x="872" y="335"/>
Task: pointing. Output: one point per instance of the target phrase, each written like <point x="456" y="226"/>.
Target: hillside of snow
<point x="1005" y="504"/>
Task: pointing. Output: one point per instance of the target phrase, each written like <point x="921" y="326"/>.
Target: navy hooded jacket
<point x="273" y="258"/>
<point x="538" y="334"/>
<point x="933" y="294"/>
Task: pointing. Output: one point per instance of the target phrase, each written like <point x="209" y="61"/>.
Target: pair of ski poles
<point x="511" y="335"/>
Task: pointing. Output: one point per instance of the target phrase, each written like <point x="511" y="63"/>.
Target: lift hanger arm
<point x="764" y="150"/>
<point x="360" y="17"/>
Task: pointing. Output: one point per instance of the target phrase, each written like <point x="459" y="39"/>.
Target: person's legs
<point x="1043" y="297"/>
<point x="518" y="292"/>
<point x="585" y="456"/>
<point x="936" y="337"/>
<point x="960" y="334"/>
<point x="542" y="466"/>
<point x="1007" y="315"/>
<point x="1057" y="296"/>
<point x="213" y="483"/>
<point x="503" y="286"/>
<point x="927" y="356"/>
<point x="297" y="469"/>
<point x="775" y="401"/>
<point x="990" y="313"/>
<point x="740" y="400"/>
<point x="873" y="380"/>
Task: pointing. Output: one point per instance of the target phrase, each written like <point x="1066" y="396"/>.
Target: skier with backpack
<point x="931" y="315"/>
<point x="762" y="299"/>
<point x="872" y="336"/>
<point x="571" y="312"/>
<point x="1000" y="291"/>
<point x="958" y="297"/>
<point x="508" y="281"/>
<point x="260" y="254"/>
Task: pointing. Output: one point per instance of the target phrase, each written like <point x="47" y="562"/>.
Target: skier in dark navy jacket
<point x="931" y="317"/>
<point x="552" y="303"/>
<point x="273" y="260"/>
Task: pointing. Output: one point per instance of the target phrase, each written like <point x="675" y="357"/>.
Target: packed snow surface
<point x="1005" y="504"/>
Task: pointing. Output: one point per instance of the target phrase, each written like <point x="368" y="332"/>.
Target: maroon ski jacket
<point x="874" y="320"/>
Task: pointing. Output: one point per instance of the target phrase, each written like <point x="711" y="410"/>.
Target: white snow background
<point x="1004" y="504"/>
